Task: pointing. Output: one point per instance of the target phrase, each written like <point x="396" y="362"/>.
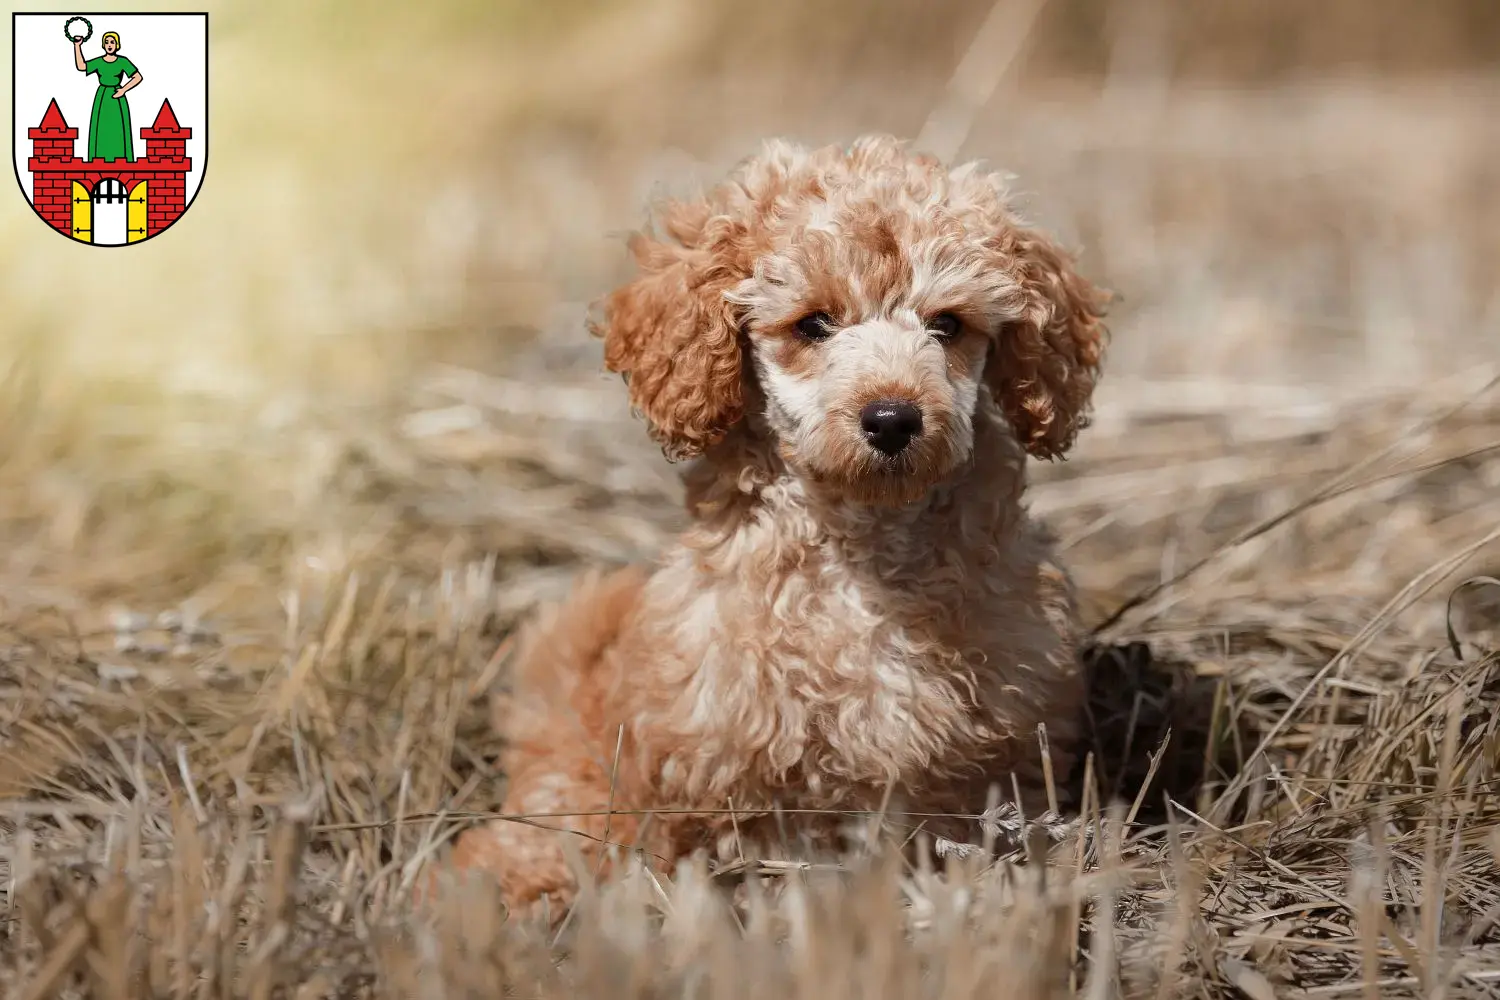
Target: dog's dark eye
<point x="945" y="326"/>
<point x="818" y="326"/>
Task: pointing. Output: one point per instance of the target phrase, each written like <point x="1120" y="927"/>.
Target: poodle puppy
<point x="858" y="347"/>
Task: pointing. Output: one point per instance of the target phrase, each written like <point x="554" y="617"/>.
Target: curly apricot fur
<point x="840" y="627"/>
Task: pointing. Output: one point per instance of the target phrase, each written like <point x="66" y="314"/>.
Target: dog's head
<point x="876" y="295"/>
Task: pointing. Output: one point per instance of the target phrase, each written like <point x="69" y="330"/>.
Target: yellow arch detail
<point x="135" y="214"/>
<point x="83" y="214"/>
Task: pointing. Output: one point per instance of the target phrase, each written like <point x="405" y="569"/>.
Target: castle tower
<point x="52" y="165"/>
<point x="167" y="162"/>
<point x="64" y="187"/>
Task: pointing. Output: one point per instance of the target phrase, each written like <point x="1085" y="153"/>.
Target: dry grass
<point x="261" y="546"/>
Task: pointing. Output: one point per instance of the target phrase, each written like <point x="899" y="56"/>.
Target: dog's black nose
<point x="889" y="425"/>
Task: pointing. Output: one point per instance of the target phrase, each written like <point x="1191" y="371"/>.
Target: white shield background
<point x="170" y="50"/>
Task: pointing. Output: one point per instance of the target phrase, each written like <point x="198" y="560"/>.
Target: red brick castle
<point x="64" y="188"/>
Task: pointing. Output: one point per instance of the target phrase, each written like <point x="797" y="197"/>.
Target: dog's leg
<point x="525" y="852"/>
<point x="559" y="758"/>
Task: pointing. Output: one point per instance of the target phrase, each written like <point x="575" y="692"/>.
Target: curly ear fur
<point x="674" y="338"/>
<point x="1043" y="368"/>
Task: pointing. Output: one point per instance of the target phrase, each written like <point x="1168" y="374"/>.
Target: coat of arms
<point x="110" y="139"/>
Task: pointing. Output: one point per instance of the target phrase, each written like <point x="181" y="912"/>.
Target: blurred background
<point x="274" y="485"/>
<point x="365" y="339"/>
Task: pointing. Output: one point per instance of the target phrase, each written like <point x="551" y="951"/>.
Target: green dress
<point x="109" y="123"/>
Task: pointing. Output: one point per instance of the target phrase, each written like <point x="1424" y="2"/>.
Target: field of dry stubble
<point x="275" y="488"/>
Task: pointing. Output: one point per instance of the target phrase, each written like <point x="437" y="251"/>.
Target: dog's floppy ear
<point x="674" y="338"/>
<point x="1044" y="366"/>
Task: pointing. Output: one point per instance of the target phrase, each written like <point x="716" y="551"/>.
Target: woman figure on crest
<point x="109" y="123"/>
